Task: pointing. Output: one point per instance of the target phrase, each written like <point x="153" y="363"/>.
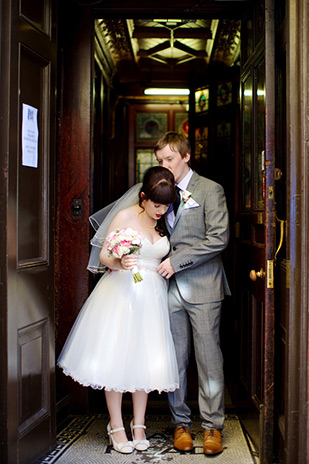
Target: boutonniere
<point x="187" y="200"/>
<point x="185" y="197"/>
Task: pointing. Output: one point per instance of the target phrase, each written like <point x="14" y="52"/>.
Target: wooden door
<point x="28" y="135"/>
<point x="255" y="231"/>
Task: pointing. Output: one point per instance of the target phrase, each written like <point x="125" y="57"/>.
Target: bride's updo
<point x="159" y="187"/>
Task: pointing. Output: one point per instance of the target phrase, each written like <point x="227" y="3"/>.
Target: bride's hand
<point x="128" y="262"/>
<point x="166" y="269"/>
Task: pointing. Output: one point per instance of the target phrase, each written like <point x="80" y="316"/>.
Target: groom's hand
<point x="166" y="269"/>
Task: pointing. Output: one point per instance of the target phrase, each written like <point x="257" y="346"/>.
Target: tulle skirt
<point x="121" y="339"/>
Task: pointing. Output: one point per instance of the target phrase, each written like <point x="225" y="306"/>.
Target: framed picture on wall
<point x="182" y="123"/>
<point x="224" y="93"/>
<point x="201" y="142"/>
<point x="145" y="159"/>
<point x="150" y="126"/>
<point x="202" y="100"/>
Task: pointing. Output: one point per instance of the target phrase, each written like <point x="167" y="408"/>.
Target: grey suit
<point x="196" y="292"/>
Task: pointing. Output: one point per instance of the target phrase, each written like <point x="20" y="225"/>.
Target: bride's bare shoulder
<point x="126" y="215"/>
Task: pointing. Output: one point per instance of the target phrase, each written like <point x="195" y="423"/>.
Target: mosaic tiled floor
<point x="84" y="441"/>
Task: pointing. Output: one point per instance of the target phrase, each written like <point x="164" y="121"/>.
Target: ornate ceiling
<point x="160" y="52"/>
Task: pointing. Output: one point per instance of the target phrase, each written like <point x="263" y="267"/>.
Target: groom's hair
<point x="176" y="142"/>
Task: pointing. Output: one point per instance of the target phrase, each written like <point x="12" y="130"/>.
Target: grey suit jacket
<point x="197" y="239"/>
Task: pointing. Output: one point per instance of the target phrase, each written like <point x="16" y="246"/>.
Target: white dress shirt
<point x="183" y="184"/>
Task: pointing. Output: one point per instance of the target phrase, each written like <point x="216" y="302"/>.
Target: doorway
<point x="124" y="123"/>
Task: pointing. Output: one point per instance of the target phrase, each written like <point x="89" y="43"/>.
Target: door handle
<point x="254" y="275"/>
<point x="282" y="223"/>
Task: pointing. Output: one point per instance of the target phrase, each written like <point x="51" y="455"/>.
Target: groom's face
<point x="173" y="161"/>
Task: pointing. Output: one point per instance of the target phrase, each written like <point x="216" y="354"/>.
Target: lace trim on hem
<point x="85" y="383"/>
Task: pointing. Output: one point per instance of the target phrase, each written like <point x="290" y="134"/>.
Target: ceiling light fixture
<point x="167" y="20"/>
<point x="166" y="91"/>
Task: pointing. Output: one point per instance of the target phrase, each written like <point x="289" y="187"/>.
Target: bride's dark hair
<point x="159" y="187"/>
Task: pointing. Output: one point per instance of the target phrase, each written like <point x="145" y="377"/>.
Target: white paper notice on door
<point x="30" y="136"/>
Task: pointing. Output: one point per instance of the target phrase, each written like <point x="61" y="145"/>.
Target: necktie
<point x="177" y="201"/>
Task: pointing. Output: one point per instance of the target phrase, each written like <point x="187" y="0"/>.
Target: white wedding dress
<point x="121" y="339"/>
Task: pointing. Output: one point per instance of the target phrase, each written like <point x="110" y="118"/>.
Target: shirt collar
<point x="183" y="184"/>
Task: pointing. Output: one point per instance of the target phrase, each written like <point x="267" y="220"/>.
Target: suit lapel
<point x="179" y="213"/>
<point x="193" y="183"/>
<point x="169" y="228"/>
<point x="191" y="188"/>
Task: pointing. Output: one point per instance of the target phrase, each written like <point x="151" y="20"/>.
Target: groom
<point x="199" y="232"/>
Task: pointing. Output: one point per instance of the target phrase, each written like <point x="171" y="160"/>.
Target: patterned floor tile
<point x="84" y="441"/>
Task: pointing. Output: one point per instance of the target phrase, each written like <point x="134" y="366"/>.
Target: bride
<point x="121" y="340"/>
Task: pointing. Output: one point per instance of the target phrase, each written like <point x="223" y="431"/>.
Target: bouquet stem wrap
<point x="136" y="274"/>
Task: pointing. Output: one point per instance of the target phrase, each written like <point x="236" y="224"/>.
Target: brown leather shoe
<point x="182" y="438"/>
<point x="212" y="442"/>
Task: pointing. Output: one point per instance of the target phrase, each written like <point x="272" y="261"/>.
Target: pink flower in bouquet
<point x="121" y="242"/>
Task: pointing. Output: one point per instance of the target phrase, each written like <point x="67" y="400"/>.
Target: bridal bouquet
<point x="121" y="242"/>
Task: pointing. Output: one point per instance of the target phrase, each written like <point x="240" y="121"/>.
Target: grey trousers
<point x="204" y="320"/>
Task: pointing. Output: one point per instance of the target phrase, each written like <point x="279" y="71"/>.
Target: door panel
<point x="256" y="233"/>
<point x="28" y="299"/>
<point x="251" y="320"/>
<point x="251" y="240"/>
<point x="33" y="232"/>
<point x="38" y="14"/>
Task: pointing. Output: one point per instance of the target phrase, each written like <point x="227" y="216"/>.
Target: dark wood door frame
<point x="297" y="415"/>
<point x="74" y="180"/>
<point x="4" y="160"/>
<point x="267" y="413"/>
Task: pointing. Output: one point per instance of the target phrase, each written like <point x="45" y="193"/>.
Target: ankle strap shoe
<point x="124" y="448"/>
<point x="139" y="445"/>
